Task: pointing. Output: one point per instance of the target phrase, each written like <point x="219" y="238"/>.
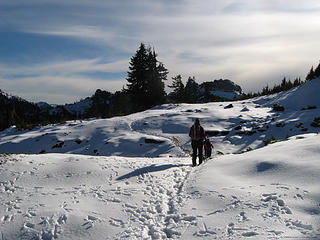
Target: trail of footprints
<point x="157" y="218"/>
<point x="271" y="207"/>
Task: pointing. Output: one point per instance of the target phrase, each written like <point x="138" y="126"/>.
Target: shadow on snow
<point x="149" y="169"/>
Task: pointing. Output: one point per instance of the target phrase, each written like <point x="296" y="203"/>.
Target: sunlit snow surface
<point x="131" y="177"/>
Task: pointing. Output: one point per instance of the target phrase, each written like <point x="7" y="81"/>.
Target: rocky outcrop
<point x="225" y="85"/>
<point x="219" y="90"/>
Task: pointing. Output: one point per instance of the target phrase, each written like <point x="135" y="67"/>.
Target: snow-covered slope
<point x="232" y="126"/>
<point x="296" y="99"/>
<point x="142" y="185"/>
<point x="270" y="193"/>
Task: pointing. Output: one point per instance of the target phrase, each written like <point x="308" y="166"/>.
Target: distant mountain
<point x="23" y="114"/>
<point x="93" y="106"/>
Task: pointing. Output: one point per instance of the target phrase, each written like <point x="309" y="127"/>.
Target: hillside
<point x="131" y="177"/>
<point x="233" y="127"/>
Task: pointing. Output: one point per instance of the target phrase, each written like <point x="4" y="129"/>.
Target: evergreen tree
<point x="265" y="90"/>
<point x="156" y="74"/>
<point x="100" y="104"/>
<point x="297" y="82"/>
<point x="121" y="103"/>
<point x="317" y="72"/>
<point x="310" y="75"/>
<point x="178" y="89"/>
<point x="191" y="90"/>
<point x="137" y="75"/>
<point x="145" y="79"/>
<point x="283" y="83"/>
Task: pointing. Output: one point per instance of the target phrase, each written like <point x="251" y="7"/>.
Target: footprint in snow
<point x="7" y="218"/>
<point x="89" y="222"/>
<point x="117" y="222"/>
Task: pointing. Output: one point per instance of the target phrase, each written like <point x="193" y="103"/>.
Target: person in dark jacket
<point x="197" y="135"/>
<point x="207" y="148"/>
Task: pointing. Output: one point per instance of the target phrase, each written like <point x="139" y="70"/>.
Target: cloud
<point x="253" y="43"/>
<point x="271" y="6"/>
<point x="69" y="80"/>
<point x="47" y="88"/>
<point x="67" y="67"/>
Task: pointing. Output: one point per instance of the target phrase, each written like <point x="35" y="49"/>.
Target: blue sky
<point x="62" y="51"/>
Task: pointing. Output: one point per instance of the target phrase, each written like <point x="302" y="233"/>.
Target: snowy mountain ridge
<point x="131" y="177"/>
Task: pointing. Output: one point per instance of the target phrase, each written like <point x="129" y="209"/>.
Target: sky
<point x="62" y="51"/>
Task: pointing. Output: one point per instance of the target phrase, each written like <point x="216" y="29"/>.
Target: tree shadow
<point x="149" y="169"/>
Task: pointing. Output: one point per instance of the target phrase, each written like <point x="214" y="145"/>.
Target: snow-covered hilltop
<point x="131" y="177"/>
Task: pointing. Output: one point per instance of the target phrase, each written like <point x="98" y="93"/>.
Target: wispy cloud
<point x="46" y="88"/>
<point x="67" y="67"/>
<point x="251" y="42"/>
<point x="67" y="80"/>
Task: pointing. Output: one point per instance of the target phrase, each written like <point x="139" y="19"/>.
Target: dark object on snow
<point x="58" y="145"/>
<point x="228" y="106"/>
<point x="155" y="141"/>
<point x="238" y="127"/>
<point x="249" y="133"/>
<point x="212" y="133"/>
<point x="78" y="141"/>
<point x="278" y="108"/>
<point x="316" y="122"/>
<point x="208" y="146"/>
<point x="224" y="133"/>
<point x="309" y="108"/>
<point x="197" y="135"/>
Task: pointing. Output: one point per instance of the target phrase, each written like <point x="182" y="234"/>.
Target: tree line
<point x="285" y="84"/>
<point x="145" y="89"/>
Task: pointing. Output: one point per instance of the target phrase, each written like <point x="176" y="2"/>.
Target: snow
<point x="131" y="177"/>
<point x="225" y="94"/>
<point x="271" y="192"/>
<point x="302" y="97"/>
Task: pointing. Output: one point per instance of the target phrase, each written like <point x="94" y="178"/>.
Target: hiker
<point x="197" y="135"/>
<point x="207" y="148"/>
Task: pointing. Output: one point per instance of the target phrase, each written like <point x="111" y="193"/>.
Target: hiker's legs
<point x="209" y="153"/>
<point x="194" y="153"/>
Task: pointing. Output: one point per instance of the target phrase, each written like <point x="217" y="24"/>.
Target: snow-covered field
<point x="131" y="177"/>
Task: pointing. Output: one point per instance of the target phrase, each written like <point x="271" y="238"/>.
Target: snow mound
<point x="302" y="97"/>
<point x="275" y="188"/>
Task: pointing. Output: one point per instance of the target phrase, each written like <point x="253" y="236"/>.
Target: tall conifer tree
<point x="145" y="79"/>
<point x="178" y="89"/>
<point x="191" y="90"/>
